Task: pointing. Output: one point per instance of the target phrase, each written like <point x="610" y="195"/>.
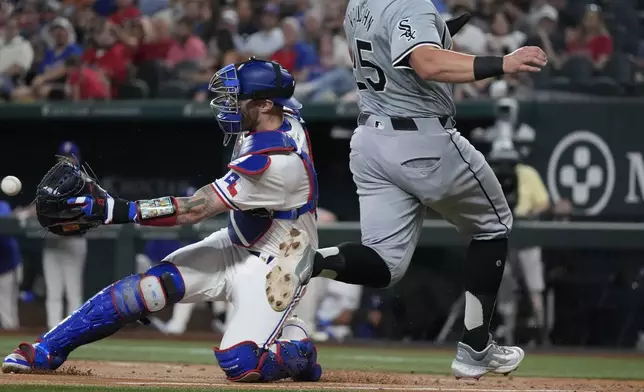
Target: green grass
<point x="352" y="358"/>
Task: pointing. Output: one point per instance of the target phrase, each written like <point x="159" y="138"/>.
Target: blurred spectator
<point x="247" y="24"/>
<point x="296" y="56"/>
<point x="313" y="25"/>
<point x="270" y="38"/>
<point x="221" y="37"/>
<point x="151" y="7"/>
<point x="331" y="79"/>
<point x="51" y="71"/>
<point x="85" y="83"/>
<point x="591" y="38"/>
<point x="125" y="11"/>
<point x="171" y="14"/>
<point x="29" y="17"/>
<point x="546" y="36"/>
<point x="10" y="275"/>
<point x="154" y="40"/>
<point x="16" y="56"/>
<point x="196" y="12"/>
<point x="471" y="39"/>
<point x="502" y="39"/>
<point x="84" y="20"/>
<point x="187" y="47"/>
<point x="108" y="56"/>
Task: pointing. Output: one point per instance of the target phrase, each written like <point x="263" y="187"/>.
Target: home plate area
<point x="141" y="374"/>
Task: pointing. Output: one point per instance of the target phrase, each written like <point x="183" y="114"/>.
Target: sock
<point x="484" y="264"/>
<point x="353" y="264"/>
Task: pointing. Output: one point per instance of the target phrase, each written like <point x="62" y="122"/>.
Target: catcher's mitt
<point x="68" y="180"/>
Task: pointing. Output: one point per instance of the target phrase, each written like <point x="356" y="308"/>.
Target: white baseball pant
<point x="63" y="267"/>
<point x="9" y="293"/>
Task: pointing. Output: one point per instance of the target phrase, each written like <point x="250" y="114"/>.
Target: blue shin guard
<point x="246" y="362"/>
<point x="128" y="300"/>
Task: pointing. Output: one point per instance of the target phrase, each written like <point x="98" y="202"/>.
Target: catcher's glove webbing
<point x="66" y="180"/>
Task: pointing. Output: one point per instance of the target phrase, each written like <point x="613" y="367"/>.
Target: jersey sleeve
<point x="414" y="23"/>
<point x="247" y="192"/>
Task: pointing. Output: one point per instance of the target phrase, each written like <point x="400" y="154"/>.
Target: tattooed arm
<point x="173" y="211"/>
<point x="202" y="205"/>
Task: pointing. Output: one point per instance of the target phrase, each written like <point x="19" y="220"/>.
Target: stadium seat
<point x="578" y="69"/>
<point x="151" y="73"/>
<point x="173" y="90"/>
<point x="186" y="67"/>
<point x="620" y="68"/>
<point x="602" y="85"/>
<point x="134" y="89"/>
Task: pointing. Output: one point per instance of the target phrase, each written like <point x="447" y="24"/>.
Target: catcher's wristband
<point x="487" y="67"/>
<point x="122" y="212"/>
<point x="157" y="212"/>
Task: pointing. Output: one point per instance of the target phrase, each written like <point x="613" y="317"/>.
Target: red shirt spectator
<point x="286" y="57"/>
<point x="187" y="47"/>
<point x="87" y="83"/>
<point x="112" y="62"/>
<point x="148" y="51"/>
<point x="126" y="11"/>
<point x="597" y="47"/>
<point x="591" y="38"/>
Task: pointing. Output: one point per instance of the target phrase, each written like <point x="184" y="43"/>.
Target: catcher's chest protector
<point x="245" y="228"/>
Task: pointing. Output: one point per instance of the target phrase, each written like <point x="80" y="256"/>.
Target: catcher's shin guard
<point x="123" y="302"/>
<point x="246" y="362"/>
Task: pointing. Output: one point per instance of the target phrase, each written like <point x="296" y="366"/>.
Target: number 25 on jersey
<point x="377" y="82"/>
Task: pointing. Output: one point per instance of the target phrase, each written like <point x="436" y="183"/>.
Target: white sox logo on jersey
<point x="407" y="31"/>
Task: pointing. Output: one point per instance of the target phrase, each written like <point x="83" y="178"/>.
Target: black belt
<point x="402" y="123"/>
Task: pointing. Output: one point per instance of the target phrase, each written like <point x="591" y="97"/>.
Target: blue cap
<point x="68" y="149"/>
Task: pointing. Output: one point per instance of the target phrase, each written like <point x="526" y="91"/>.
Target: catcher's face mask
<point x="252" y="80"/>
<point x="226" y="103"/>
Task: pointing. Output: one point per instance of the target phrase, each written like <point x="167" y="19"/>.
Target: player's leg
<point x="507" y="301"/>
<point x="335" y="313"/>
<point x="53" y="274"/>
<point x="73" y="267"/>
<point x="195" y="273"/>
<point x="9" y="290"/>
<point x="250" y="350"/>
<point x="531" y="265"/>
<point x="308" y="305"/>
<point x="472" y="199"/>
<point x="390" y="221"/>
<point x="181" y="314"/>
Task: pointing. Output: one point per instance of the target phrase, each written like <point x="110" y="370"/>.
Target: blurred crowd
<point x="169" y="49"/>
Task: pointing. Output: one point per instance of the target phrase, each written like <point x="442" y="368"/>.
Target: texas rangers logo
<point x="231" y="180"/>
<point x="407" y="31"/>
<point x="582" y="169"/>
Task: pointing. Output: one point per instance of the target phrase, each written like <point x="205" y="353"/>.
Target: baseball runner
<point x="406" y="156"/>
<point x="270" y="193"/>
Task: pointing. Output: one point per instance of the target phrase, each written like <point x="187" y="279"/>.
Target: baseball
<point x="11" y="185"/>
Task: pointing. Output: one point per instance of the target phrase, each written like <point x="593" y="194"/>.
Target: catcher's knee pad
<point x="246" y="362"/>
<point x="128" y="300"/>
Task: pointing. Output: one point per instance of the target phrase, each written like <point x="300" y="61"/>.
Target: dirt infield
<point x="103" y="373"/>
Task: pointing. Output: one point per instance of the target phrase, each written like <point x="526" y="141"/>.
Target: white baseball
<point x="11" y="185"/>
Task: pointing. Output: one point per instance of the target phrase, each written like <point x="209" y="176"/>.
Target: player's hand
<point x="525" y="59"/>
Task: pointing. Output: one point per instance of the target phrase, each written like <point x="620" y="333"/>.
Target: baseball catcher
<point x="270" y="194"/>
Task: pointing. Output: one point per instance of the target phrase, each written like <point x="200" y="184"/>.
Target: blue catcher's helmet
<point x="252" y="79"/>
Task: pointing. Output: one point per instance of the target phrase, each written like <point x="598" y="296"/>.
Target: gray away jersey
<point x="381" y="35"/>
